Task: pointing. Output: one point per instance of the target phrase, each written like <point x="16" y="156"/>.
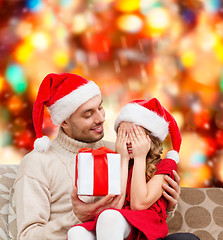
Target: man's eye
<point x="87" y="116"/>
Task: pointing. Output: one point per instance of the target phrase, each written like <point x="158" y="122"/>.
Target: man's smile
<point x="98" y="129"/>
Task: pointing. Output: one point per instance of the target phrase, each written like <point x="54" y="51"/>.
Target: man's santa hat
<point x="62" y="94"/>
<point x="155" y="118"/>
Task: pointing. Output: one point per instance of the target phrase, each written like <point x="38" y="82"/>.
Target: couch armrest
<point x="7" y="178"/>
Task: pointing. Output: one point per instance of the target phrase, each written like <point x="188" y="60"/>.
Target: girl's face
<point x="128" y="126"/>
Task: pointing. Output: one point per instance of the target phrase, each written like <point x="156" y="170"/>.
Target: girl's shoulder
<point x="166" y="166"/>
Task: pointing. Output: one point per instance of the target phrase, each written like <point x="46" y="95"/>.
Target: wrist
<point x="125" y="159"/>
<point x="172" y="209"/>
<point x="139" y="159"/>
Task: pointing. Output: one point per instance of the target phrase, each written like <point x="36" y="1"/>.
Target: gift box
<point x="97" y="172"/>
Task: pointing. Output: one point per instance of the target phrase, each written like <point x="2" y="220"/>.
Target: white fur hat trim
<point x="148" y="119"/>
<point x="173" y="155"/>
<point x="64" y="107"/>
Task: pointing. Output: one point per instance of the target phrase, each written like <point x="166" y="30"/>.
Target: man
<point x="45" y="207"/>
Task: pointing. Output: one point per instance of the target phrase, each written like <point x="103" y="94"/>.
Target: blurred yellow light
<point x="61" y="33"/>
<point x="23" y="52"/>
<point x="105" y="1"/>
<point x="128" y="5"/>
<point x="219" y="49"/>
<point x="179" y="118"/>
<point x="129" y="23"/>
<point x="61" y="58"/>
<point x="219" y="166"/>
<point x="79" y="24"/>
<point x="188" y="58"/>
<point x="48" y="19"/>
<point x="1" y="83"/>
<point x="158" y="18"/>
<point x="207" y="40"/>
<point x="10" y="155"/>
<point x="201" y="174"/>
<point x="40" y="40"/>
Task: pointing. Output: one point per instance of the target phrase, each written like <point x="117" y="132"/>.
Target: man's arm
<point x="33" y="201"/>
<point x="43" y="210"/>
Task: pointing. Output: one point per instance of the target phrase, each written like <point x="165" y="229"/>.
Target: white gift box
<point x="98" y="172"/>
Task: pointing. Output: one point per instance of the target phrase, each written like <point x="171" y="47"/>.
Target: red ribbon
<point x="100" y="169"/>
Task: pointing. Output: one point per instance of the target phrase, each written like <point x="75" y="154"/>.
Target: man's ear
<point x="64" y="124"/>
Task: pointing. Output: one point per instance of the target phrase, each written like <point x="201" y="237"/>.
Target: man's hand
<point x="88" y="211"/>
<point x="172" y="191"/>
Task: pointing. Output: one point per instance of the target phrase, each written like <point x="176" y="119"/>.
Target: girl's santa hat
<point x="62" y="94"/>
<point x="155" y="118"/>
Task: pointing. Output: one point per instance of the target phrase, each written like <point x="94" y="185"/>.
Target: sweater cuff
<point x="74" y="219"/>
<point x="170" y="214"/>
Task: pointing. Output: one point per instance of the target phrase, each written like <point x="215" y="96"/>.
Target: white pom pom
<point x="173" y="155"/>
<point x="42" y="144"/>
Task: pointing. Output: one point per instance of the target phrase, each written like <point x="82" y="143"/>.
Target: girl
<point x="141" y="211"/>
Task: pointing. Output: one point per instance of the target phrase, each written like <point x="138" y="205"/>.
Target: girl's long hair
<point x="153" y="156"/>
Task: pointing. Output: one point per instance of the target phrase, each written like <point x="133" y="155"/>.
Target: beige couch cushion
<point x="7" y="178"/>
<point x="200" y="211"/>
<point x="12" y="227"/>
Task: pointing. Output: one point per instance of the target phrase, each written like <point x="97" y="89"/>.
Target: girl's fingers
<point x="132" y="137"/>
<point x="148" y="138"/>
<point x="136" y="131"/>
<point x="140" y="134"/>
<point x="122" y="137"/>
<point x="126" y="137"/>
<point x="123" y="132"/>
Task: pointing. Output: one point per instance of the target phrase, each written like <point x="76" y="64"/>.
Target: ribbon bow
<point x="100" y="168"/>
<point x="98" y="151"/>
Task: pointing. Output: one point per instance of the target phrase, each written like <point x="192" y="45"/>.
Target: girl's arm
<point x="121" y="148"/>
<point x="124" y="177"/>
<point x="143" y="194"/>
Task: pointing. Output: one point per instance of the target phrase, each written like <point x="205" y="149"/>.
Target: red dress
<point x="150" y="223"/>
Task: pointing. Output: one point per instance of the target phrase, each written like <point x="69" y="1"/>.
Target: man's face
<point x="86" y="123"/>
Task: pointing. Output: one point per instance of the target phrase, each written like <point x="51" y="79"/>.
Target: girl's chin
<point x="131" y="156"/>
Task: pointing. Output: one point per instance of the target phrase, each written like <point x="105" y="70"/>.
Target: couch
<point x="200" y="210"/>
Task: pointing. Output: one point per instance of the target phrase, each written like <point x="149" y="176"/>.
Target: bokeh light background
<point x="133" y="49"/>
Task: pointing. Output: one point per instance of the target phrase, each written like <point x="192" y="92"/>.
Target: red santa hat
<point x="62" y="94"/>
<point x="155" y="118"/>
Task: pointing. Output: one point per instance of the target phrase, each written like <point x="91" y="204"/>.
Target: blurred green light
<point x="65" y="3"/>
<point x="15" y="77"/>
<point x="221" y="84"/>
<point x="146" y="6"/>
<point x="5" y="139"/>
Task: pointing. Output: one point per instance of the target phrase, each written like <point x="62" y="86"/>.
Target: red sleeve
<point x="166" y="166"/>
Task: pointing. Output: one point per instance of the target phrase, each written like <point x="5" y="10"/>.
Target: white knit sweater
<point x="43" y="187"/>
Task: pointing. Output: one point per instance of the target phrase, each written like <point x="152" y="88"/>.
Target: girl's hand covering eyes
<point x="121" y="141"/>
<point x="140" y="142"/>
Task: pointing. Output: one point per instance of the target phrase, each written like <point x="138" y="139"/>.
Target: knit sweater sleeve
<point x="33" y="207"/>
<point x="170" y="214"/>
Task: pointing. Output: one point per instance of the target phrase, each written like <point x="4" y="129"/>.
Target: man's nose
<point x="100" y="117"/>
